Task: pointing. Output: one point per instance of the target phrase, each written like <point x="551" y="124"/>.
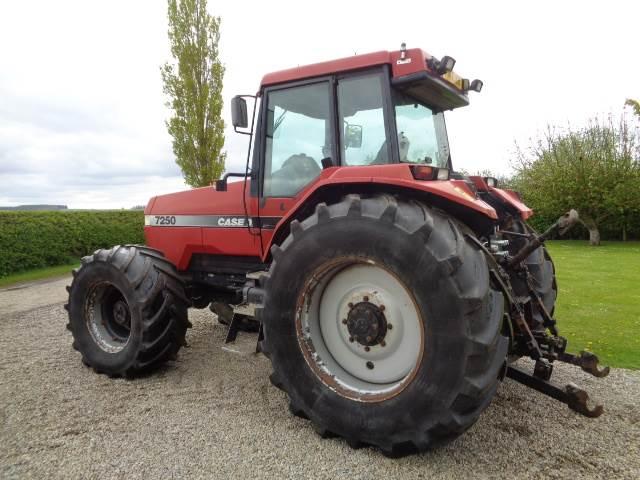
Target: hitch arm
<point x="587" y="361"/>
<point x="563" y="224"/>
<point x="573" y="396"/>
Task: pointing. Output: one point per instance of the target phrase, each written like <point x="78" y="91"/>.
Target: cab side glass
<point x="361" y="114"/>
<point x="298" y="136"/>
<point x="422" y="135"/>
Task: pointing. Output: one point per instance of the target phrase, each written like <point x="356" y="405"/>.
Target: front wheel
<point x="382" y="326"/>
<point x="127" y="310"/>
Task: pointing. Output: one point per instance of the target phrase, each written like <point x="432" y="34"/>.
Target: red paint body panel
<point x="179" y="243"/>
<point x="480" y="184"/>
<point x="512" y="198"/>
<point x="508" y="196"/>
<point x="199" y="201"/>
<point x="415" y="61"/>
<point x="393" y="174"/>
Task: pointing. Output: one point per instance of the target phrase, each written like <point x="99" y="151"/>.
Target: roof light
<point x="403" y="50"/>
<point x="476" y="85"/>
<point x="446" y="64"/>
<point x="464" y="84"/>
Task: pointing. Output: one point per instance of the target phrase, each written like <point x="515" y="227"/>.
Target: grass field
<point x="598" y="306"/>
<point x="37" y="274"/>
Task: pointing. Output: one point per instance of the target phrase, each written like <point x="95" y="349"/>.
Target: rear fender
<point x="505" y="196"/>
<point x="335" y="182"/>
<point x="513" y="199"/>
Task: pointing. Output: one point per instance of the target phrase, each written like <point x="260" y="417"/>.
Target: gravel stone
<point x="213" y="414"/>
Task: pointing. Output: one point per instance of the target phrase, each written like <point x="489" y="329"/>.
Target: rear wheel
<point x="382" y="326"/>
<point x="127" y="310"/>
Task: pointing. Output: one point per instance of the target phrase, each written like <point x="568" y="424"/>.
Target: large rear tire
<point x="127" y="310"/>
<point x="339" y="281"/>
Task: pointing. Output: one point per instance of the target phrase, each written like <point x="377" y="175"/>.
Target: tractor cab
<point x="375" y="109"/>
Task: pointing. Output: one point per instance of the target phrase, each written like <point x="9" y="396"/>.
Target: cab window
<point x="361" y="121"/>
<point x="298" y="137"/>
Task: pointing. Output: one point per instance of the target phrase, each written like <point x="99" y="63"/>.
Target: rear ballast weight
<point x="391" y="294"/>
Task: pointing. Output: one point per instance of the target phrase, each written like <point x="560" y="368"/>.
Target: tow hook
<point x="587" y="361"/>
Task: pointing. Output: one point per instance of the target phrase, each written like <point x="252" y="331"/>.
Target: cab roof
<point x="354" y="62"/>
<point x="409" y="69"/>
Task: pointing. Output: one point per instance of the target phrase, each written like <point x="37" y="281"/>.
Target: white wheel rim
<point x="344" y="297"/>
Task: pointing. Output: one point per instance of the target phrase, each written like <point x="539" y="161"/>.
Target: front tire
<point x="127" y="310"/>
<point x="433" y="283"/>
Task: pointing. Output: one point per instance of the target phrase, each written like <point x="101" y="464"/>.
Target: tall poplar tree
<point x="193" y="84"/>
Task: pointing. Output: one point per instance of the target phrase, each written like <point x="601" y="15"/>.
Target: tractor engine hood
<point x="199" y="201"/>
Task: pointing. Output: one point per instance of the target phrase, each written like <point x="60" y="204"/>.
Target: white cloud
<point x="82" y="111"/>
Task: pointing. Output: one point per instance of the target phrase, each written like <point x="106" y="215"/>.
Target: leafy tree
<point x="194" y="87"/>
<point x="635" y="105"/>
<point x="595" y="170"/>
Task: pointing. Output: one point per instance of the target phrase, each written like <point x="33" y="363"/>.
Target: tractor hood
<point x="199" y="201"/>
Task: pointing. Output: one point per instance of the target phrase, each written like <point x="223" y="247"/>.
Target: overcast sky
<point x="82" y="111"/>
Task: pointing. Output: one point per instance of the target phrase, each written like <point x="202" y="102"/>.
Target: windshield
<point x="422" y="135"/>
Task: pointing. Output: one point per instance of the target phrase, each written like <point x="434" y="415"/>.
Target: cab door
<point x="299" y="132"/>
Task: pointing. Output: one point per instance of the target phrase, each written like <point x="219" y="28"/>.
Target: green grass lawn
<point x="37" y="274"/>
<point x="598" y="306"/>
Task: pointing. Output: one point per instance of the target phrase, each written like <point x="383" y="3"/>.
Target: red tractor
<point x="391" y="294"/>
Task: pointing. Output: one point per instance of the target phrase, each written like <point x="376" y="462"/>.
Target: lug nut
<point x="368" y="339"/>
<point x="350" y="305"/>
<point x="344" y="320"/>
<point x="366" y="349"/>
<point x="370" y="365"/>
<point x="351" y="339"/>
<point x="382" y="307"/>
<point x="389" y="326"/>
<point x="365" y="298"/>
<point x="383" y="343"/>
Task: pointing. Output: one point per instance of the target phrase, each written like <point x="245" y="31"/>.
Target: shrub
<point x="41" y="239"/>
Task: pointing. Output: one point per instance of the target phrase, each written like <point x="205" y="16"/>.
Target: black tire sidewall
<point x="90" y="275"/>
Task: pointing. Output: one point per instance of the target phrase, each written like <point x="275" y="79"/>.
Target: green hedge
<point x="41" y="239"/>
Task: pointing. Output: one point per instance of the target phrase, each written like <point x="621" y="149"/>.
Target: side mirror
<point x="352" y="136"/>
<point x="221" y="185"/>
<point x="239" y="117"/>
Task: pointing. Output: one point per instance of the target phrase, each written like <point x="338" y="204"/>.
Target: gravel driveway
<point x="213" y="414"/>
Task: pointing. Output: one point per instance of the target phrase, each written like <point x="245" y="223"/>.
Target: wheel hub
<point x="361" y="330"/>
<point x="121" y="313"/>
<point x="366" y="324"/>
<point x="108" y="317"/>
